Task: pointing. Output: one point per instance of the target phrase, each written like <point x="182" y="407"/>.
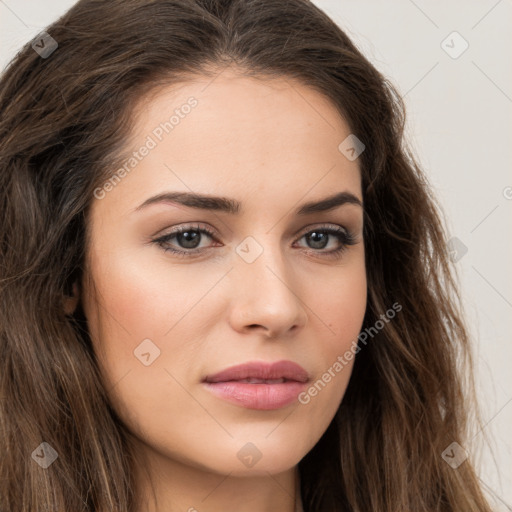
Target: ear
<point x="70" y="302"/>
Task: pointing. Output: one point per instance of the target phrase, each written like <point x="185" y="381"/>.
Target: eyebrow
<point x="233" y="207"/>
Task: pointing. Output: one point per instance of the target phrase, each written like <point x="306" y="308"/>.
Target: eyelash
<point x="346" y="238"/>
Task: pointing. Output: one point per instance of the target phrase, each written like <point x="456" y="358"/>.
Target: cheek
<point x="128" y="313"/>
<point x="147" y="330"/>
<point x="139" y="301"/>
<point x="341" y="306"/>
<point x="340" y="313"/>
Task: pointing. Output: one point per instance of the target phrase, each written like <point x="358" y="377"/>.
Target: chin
<point x="248" y="458"/>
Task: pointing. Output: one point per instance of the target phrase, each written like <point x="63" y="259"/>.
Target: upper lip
<point x="260" y="370"/>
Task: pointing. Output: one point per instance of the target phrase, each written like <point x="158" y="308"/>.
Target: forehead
<point x="243" y="113"/>
<point x="238" y="136"/>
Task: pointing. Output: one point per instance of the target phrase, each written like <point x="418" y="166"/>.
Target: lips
<point x="258" y="385"/>
<point x="256" y="372"/>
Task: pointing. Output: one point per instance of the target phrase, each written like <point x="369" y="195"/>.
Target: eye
<point x="319" y="238"/>
<point x="189" y="238"/>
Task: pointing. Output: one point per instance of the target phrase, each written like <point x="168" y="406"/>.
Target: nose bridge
<point x="260" y="259"/>
<point x="267" y="295"/>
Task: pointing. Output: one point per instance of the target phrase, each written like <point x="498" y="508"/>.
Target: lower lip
<point x="264" y="397"/>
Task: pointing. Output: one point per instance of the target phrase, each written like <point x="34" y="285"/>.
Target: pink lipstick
<point x="259" y="385"/>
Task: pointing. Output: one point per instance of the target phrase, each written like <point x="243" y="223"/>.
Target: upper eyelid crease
<point x="212" y="233"/>
<point x="233" y="207"/>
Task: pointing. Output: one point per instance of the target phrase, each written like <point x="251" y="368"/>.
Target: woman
<point x="225" y="284"/>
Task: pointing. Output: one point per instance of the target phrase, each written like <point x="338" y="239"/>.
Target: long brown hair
<point x="65" y="118"/>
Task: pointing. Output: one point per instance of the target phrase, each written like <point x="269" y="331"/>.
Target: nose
<point x="267" y="296"/>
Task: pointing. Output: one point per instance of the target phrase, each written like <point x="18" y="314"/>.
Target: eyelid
<point x="199" y="226"/>
<point x="346" y="237"/>
<point x="192" y="226"/>
<point x="321" y="225"/>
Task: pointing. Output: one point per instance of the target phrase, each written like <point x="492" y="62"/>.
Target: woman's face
<point x="265" y="286"/>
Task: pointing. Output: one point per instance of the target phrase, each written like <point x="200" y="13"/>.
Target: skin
<point x="272" y="145"/>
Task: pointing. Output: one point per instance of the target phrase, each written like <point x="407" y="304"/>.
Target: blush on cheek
<point x="345" y="309"/>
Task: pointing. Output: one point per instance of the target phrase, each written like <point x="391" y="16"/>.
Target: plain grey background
<point x="458" y="93"/>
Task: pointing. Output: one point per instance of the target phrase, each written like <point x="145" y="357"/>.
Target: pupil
<point x="190" y="237"/>
<point x="316" y="234"/>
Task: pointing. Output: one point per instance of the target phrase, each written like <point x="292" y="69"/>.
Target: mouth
<point x="261" y="381"/>
<point x="259" y="385"/>
<point x="261" y="371"/>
